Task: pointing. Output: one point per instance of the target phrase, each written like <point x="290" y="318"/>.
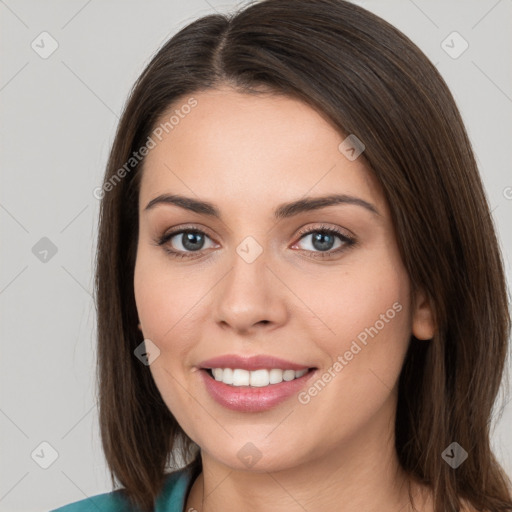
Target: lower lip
<point x="253" y="399"/>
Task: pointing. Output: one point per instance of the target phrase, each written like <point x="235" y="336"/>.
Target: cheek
<point x="165" y="304"/>
<point x="165" y="297"/>
<point x="364" y="334"/>
<point x="371" y="295"/>
<point x="373" y="305"/>
<point x="362" y="312"/>
<point x="368" y="315"/>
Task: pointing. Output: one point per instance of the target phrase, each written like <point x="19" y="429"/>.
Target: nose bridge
<point x="250" y="293"/>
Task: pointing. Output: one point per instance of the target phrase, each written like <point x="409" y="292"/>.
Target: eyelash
<point x="348" y="241"/>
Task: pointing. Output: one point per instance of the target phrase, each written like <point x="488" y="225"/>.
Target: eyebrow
<point x="283" y="211"/>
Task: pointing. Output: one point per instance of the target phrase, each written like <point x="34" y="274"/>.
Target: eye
<point x="183" y="243"/>
<point x="322" y="241"/>
<point x="187" y="241"/>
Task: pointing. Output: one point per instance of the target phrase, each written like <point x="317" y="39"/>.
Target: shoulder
<point x="171" y="499"/>
<point x="107" y="502"/>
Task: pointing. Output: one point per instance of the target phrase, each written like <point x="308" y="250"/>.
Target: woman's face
<point x="247" y="282"/>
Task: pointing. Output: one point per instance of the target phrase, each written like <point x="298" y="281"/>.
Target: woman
<point x="301" y="299"/>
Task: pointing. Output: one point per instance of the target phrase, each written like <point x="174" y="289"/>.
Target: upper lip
<point x="255" y="362"/>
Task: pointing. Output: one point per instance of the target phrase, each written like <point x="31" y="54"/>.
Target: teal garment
<point x="171" y="499"/>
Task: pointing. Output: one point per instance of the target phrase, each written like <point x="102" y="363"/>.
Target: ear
<point x="423" y="323"/>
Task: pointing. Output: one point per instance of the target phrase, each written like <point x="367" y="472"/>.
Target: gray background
<point x="58" y="119"/>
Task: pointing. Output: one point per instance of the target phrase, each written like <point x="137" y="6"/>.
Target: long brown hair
<point x="370" y="80"/>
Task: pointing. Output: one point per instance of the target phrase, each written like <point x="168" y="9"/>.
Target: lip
<point x="253" y="399"/>
<point x="256" y="362"/>
<point x="247" y="398"/>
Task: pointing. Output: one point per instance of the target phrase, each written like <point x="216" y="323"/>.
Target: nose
<point x="251" y="296"/>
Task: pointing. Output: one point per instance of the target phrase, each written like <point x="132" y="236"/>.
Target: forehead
<point x="261" y="149"/>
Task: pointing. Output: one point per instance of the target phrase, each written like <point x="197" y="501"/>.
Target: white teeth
<point x="259" y="378"/>
<point x="288" y="375"/>
<point x="227" y="376"/>
<point x="240" y="377"/>
<point x="256" y="378"/>
<point x="275" y="376"/>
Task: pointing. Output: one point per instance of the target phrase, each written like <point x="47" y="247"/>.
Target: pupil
<point x="190" y="239"/>
<point x="319" y="241"/>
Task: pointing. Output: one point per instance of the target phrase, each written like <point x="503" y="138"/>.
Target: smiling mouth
<point x="238" y="377"/>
